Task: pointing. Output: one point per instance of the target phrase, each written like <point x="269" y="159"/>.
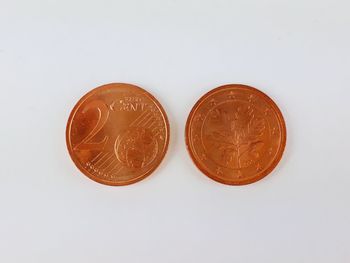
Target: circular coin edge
<point x="87" y="173"/>
<point x="280" y="151"/>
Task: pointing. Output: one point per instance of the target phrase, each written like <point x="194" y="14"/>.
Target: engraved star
<point x="219" y="170"/>
<point x="258" y="167"/>
<point x="274" y="130"/>
<point x="199" y="117"/>
<point x="250" y="98"/>
<point x="212" y="102"/>
<point x="267" y="111"/>
<point x="203" y="156"/>
<point x="270" y="151"/>
<point x="231" y="95"/>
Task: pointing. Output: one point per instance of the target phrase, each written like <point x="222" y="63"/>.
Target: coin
<point x="117" y="134"/>
<point x="235" y="134"/>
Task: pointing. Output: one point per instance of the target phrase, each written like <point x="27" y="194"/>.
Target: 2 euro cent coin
<point x="235" y="134"/>
<point x="117" y="134"/>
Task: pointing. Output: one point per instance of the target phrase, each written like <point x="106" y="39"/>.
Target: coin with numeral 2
<point x="117" y="134"/>
<point x="235" y="134"/>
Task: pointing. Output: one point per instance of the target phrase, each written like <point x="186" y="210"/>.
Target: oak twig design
<point x="240" y="135"/>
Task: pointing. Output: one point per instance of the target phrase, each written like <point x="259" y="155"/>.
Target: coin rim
<point x="70" y="121"/>
<point x="262" y="174"/>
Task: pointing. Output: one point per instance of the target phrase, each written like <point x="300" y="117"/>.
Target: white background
<point x="53" y="52"/>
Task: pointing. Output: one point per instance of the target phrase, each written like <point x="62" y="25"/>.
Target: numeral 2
<point x="103" y="114"/>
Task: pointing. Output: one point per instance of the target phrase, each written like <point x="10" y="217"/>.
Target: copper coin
<point x="235" y="134"/>
<point x="117" y="134"/>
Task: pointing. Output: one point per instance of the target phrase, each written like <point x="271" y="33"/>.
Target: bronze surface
<point x="117" y="134"/>
<point x="235" y="134"/>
